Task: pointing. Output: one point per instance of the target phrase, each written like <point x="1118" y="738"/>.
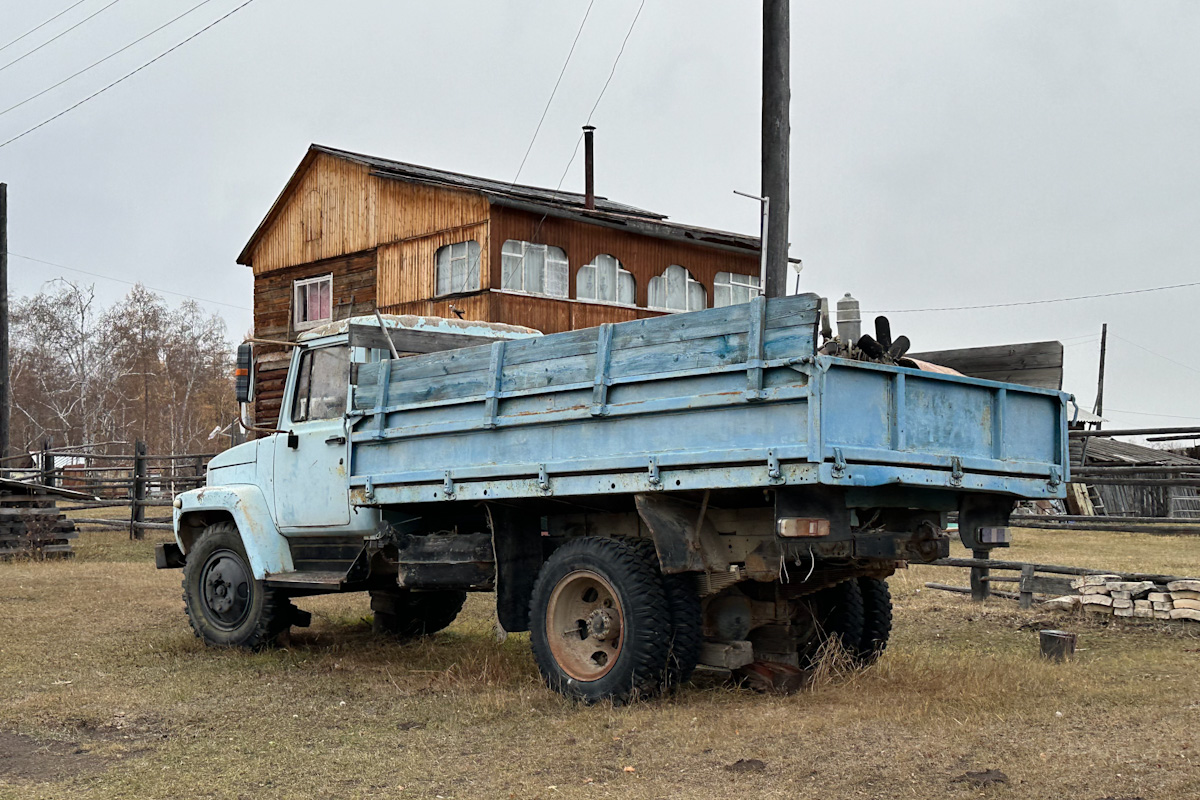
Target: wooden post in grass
<point x="137" y="514"/>
<point x="1026" y="586"/>
<point x="979" y="583"/>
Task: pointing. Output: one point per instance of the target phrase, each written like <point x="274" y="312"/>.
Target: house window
<point x="677" y="290"/>
<point x="606" y="281"/>
<point x="730" y="288"/>
<point x="312" y="301"/>
<point x="533" y="268"/>
<point x="458" y="267"/>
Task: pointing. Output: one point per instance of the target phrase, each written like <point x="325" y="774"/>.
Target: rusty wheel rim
<point x="585" y="625"/>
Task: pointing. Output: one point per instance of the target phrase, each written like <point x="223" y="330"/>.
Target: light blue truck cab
<point x="643" y="497"/>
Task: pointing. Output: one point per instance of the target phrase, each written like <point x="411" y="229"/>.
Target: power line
<point x="620" y="53"/>
<point x="1037" y="302"/>
<point x="37" y="28"/>
<point x="127" y="283"/>
<point x="1160" y="355"/>
<point x="1147" y="414"/>
<point x="127" y="75"/>
<point x="59" y="36"/>
<point x="554" y="91"/>
<point x="106" y="58"/>
<point x="600" y="97"/>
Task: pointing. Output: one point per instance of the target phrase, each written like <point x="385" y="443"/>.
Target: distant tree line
<point x="141" y="369"/>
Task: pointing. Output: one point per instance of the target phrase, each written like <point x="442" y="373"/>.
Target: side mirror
<point x="243" y="373"/>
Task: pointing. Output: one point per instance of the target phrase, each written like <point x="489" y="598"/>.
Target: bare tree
<point x="140" y="370"/>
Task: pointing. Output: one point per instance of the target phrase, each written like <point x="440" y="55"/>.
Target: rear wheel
<point x="837" y="614"/>
<point x="225" y="604"/>
<point x="687" y="627"/>
<point x="877" y="619"/>
<point x="687" y="630"/>
<point x="410" y="614"/>
<point x="600" y="623"/>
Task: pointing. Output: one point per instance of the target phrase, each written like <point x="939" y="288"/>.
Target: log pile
<point x="31" y="524"/>
<point x="1109" y="594"/>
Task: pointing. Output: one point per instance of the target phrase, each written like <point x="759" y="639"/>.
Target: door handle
<point x="336" y="440"/>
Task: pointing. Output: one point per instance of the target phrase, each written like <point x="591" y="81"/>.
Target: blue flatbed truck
<point x="643" y="497"/>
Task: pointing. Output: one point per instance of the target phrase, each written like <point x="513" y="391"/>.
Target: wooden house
<point x="350" y="234"/>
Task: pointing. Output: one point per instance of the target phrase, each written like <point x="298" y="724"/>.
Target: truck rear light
<point x="806" y="527"/>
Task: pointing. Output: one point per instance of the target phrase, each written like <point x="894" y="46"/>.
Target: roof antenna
<point x="589" y="177"/>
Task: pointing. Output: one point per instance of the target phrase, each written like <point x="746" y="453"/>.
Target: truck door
<point x="311" y="464"/>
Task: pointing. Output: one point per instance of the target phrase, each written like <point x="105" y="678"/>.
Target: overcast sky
<point x="943" y="153"/>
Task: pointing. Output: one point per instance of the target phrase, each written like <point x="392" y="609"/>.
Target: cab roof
<point x="461" y="327"/>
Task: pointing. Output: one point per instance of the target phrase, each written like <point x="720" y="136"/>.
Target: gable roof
<point x="552" y="202"/>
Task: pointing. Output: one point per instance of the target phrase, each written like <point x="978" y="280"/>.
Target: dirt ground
<point x="104" y="692"/>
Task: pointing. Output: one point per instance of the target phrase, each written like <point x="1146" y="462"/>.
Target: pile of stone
<point x="1110" y="594"/>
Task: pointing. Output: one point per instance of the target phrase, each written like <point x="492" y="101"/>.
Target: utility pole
<point x="776" y="135"/>
<point x="4" y="386"/>
<point x="1100" y="384"/>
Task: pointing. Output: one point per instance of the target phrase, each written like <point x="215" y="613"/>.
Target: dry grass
<point x="96" y="653"/>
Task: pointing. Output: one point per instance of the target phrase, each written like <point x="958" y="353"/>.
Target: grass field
<point x="104" y="692"/>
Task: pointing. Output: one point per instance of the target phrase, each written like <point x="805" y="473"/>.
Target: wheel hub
<point x="226" y="584"/>
<point x="585" y="623"/>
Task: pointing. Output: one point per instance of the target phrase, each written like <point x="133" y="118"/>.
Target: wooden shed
<point x="351" y="233"/>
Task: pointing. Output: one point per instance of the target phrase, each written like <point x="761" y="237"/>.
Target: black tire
<point x="877" y="619"/>
<point x="225" y="605"/>
<point x="838" y="612"/>
<point x="631" y="597"/>
<point x="411" y="614"/>
<point x="687" y="627"/>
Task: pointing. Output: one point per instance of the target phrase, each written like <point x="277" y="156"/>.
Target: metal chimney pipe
<point x="589" y="176"/>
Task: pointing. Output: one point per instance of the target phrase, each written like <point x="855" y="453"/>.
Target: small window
<point x="677" y="290"/>
<point x="606" y="281"/>
<point x="458" y="268"/>
<point x="730" y="288"/>
<point x="321" y="384"/>
<point x="533" y="268"/>
<point x="312" y="301"/>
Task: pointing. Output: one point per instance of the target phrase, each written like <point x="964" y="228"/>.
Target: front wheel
<point x="225" y="604"/>
<point x="600" y="626"/>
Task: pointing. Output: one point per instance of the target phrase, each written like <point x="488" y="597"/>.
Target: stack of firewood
<point x="1109" y="594"/>
<point x="32" y="526"/>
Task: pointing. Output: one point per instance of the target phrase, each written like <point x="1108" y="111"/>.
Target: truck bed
<point x="725" y="398"/>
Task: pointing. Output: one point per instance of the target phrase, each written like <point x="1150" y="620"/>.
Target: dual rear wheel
<point x="606" y="624"/>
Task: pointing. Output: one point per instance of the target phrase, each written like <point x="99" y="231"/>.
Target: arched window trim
<point x="695" y="295"/>
<point x="623" y="282"/>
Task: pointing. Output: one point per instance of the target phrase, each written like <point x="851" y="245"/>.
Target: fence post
<point x="1026" y="586"/>
<point x="980" y="586"/>
<point x="138" y="490"/>
<point x="47" y="464"/>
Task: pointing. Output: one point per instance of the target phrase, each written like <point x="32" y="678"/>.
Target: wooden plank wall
<point x="644" y="256"/>
<point x="407" y="269"/>
<point x="337" y="207"/>
<point x="353" y="288"/>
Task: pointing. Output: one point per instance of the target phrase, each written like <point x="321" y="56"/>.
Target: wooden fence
<point x="145" y="484"/>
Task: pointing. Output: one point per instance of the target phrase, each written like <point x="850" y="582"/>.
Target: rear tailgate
<point x="879" y="424"/>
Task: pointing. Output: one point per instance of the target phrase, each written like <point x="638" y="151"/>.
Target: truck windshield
<point x="321" y="384"/>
